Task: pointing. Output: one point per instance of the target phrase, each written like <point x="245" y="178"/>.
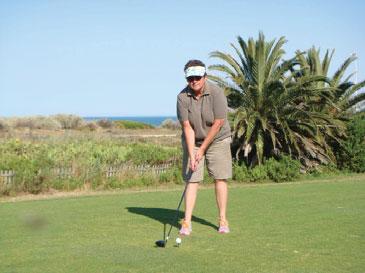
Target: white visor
<point x="195" y="71"/>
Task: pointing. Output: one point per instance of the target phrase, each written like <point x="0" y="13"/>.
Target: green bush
<point x="172" y="175"/>
<point x="240" y="173"/>
<point x="284" y="169"/>
<point x="113" y="183"/>
<point x="140" y="181"/>
<point x="36" y="165"/>
<point x="151" y="154"/>
<point x="352" y="156"/>
<point x="128" y="124"/>
<point x="26" y="160"/>
<point x="323" y="171"/>
<point x="258" y="173"/>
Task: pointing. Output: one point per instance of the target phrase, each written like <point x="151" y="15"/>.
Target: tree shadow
<point x="166" y="216"/>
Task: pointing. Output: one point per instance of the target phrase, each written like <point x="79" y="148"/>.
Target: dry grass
<point x="157" y="135"/>
<point x="71" y="126"/>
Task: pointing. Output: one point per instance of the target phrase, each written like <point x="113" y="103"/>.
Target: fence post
<point x="6" y="177"/>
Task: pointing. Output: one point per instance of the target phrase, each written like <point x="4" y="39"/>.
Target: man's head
<point x="195" y="74"/>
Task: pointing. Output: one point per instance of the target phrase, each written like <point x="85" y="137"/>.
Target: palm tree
<point x="270" y="117"/>
<point x="345" y="94"/>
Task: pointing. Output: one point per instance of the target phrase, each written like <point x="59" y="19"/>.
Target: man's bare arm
<point x="190" y="142"/>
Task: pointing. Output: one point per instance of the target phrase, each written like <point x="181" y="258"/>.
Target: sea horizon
<point x="152" y="120"/>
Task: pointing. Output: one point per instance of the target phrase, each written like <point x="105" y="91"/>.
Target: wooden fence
<point x="140" y="169"/>
<point x="7" y="177"/>
<point x="63" y="172"/>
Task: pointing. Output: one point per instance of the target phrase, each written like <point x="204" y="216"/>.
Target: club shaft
<point x="177" y="211"/>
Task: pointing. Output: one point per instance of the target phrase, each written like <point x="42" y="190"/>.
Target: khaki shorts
<point x="217" y="157"/>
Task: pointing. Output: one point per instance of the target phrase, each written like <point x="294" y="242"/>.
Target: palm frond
<point x="341" y="71"/>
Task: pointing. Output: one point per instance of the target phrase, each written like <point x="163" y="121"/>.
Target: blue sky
<point x="126" y="58"/>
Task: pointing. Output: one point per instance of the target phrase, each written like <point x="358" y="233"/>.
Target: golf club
<point x="163" y="243"/>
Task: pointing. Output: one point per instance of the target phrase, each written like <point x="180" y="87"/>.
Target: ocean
<point x="154" y="121"/>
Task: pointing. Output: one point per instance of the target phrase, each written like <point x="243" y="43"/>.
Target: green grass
<point x="290" y="227"/>
<point x="129" y="124"/>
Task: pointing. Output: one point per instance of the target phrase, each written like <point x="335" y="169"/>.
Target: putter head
<point x="160" y="243"/>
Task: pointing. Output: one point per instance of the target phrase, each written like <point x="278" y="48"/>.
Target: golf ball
<point x="178" y="241"/>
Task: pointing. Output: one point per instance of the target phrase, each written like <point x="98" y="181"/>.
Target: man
<point x="202" y="112"/>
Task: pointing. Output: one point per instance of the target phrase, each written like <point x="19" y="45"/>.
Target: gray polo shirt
<point x="202" y="112"/>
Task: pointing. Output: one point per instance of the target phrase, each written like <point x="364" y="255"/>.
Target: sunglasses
<point x="194" y="78"/>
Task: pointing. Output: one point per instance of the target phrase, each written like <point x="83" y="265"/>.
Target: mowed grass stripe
<point x="306" y="227"/>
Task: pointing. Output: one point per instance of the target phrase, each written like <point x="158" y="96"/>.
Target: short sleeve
<point x="181" y="109"/>
<point x="220" y="106"/>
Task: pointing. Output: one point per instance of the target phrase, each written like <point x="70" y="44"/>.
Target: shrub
<point x="69" y="121"/>
<point x="352" y="156"/>
<point x="150" y="154"/>
<point x="170" y="124"/>
<point x="128" y="124"/>
<point x="69" y="164"/>
<point x="91" y="125"/>
<point x="35" y="182"/>
<point x="113" y="183"/>
<point x="36" y="122"/>
<point x="240" y="173"/>
<point x="4" y="124"/>
<point x="26" y="160"/>
<point x="284" y="169"/>
<point x="23" y="122"/>
<point x="323" y="170"/>
<point x="258" y="173"/>
<point x="105" y="123"/>
<point x="138" y="181"/>
<point x="172" y="175"/>
<point x="41" y="122"/>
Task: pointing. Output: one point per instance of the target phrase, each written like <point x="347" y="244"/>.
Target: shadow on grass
<point x="167" y="216"/>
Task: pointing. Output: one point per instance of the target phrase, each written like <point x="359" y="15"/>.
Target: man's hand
<point x="193" y="164"/>
<point x="199" y="155"/>
<point x="217" y="124"/>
